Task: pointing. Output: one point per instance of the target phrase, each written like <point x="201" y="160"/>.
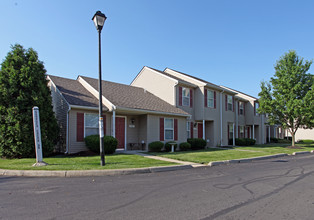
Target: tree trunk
<point x="293" y="139"/>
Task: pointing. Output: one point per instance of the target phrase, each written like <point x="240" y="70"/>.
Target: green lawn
<point x="214" y="154"/>
<point x="116" y="161"/>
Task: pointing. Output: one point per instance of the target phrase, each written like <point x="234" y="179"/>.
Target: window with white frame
<point x="241" y="108"/>
<point x="230" y="103"/>
<point x="185" y="96"/>
<point x="241" y="131"/>
<point x="188" y="129"/>
<point x="91" y="124"/>
<point x="210" y="99"/>
<point x="169" y="129"/>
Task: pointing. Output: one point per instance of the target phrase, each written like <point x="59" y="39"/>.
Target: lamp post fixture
<point x="99" y="21"/>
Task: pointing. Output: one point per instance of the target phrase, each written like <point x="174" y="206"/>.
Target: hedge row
<point x="191" y="144"/>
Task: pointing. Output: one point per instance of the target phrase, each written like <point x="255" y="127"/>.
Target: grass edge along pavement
<point x="218" y="154"/>
<point x="57" y="163"/>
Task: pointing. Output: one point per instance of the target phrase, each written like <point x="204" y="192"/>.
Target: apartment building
<point x="218" y="114"/>
<point x="133" y="115"/>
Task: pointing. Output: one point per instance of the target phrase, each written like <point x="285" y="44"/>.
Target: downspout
<point x="233" y="139"/>
<point x="268" y="133"/>
<point x="203" y="129"/>
<point x="67" y="132"/>
<point x="237" y="119"/>
<point x="113" y="121"/>
<point x="221" y="93"/>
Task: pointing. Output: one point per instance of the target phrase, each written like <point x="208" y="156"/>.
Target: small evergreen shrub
<point x="197" y="143"/>
<point x="244" y="141"/>
<point x="168" y="146"/>
<point x="273" y="140"/>
<point x="284" y="141"/>
<point x="110" y="144"/>
<point x="155" y="146"/>
<point x="184" y="146"/>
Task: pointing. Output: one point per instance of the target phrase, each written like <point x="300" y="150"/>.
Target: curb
<point x="301" y="152"/>
<point x="245" y="160"/>
<point x="84" y="173"/>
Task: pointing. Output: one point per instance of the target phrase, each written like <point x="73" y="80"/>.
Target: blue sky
<point x="230" y="43"/>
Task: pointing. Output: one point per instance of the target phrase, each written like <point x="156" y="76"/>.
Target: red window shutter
<point x="162" y="130"/>
<point x="191" y="98"/>
<point x="200" y="130"/>
<point x="79" y="127"/>
<point x="180" y="96"/>
<point x="175" y="129"/>
<point x="104" y="122"/>
<point x="239" y="108"/>
<point x="191" y="128"/>
<point x="226" y="103"/>
<point x="233" y="103"/>
<point x="228" y="133"/>
<point x="205" y="97"/>
<point x="239" y="135"/>
<point x="248" y="132"/>
<point x="214" y="99"/>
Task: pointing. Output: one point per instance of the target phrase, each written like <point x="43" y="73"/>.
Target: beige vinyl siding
<point x="60" y="108"/>
<point x="161" y="86"/>
<point x="302" y="134"/>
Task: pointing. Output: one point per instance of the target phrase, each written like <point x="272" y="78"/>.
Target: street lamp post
<point x="99" y="21"/>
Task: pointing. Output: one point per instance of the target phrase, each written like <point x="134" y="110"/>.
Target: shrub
<point x="155" y="146"/>
<point x="284" y="141"/>
<point x="244" y="141"/>
<point x="197" y="143"/>
<point x="185" y="146"/>
<point x="273" y="140"/>
<point x="168" y="146"/>
<point x="110" y="144"/>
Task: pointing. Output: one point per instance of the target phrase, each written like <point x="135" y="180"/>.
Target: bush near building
<point x="110" y="144"/>
<point x="155" y="146"/>
<point x="197" y="143"/>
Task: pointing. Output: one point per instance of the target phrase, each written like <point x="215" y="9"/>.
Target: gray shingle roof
<point x="74" y="93"/>
<point x="126" y="96"/>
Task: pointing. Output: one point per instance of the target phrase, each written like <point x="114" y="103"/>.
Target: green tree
<point x="23" y="85"/>
<point x="289" y="97"/>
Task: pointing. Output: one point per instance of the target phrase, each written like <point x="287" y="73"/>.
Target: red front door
<point x="120" y="132"/>
<point x="200" y="130"/>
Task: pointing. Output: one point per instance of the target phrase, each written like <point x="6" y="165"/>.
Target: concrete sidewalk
<point x="163" y="158"/>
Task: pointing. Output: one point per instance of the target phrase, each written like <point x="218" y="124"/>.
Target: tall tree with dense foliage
<point x="288" y="98"/>
<point x="23" y="85"/>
